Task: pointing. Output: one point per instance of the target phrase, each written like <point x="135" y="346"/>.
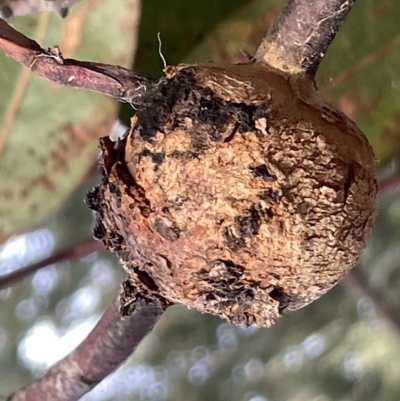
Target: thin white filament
<point x="159" y="49"/>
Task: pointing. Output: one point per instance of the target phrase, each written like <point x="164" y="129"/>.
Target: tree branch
<point x="302" y="33"/>
<point x="75" y="252"/>
<point x="110" y="80"/>
<point x="107" y="346"/>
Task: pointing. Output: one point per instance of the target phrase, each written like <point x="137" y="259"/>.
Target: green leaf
<point x="241" y="31"/>
<point x="182" y="25"/>
<point x="48" y="134"/>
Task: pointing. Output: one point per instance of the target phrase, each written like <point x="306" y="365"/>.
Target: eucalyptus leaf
<point x="48" y="134"/>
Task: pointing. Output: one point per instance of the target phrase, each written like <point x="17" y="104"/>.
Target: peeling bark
<point x="110" y="80"/>
<point x="301" y="35"/>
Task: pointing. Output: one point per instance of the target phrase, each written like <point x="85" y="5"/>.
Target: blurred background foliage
<point x="344" y="347"/>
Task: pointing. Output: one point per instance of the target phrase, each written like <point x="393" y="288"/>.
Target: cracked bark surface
<point x="237" y="191"/>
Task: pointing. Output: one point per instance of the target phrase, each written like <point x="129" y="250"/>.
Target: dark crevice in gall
<point x="146" y="279"/>
<point x="278" y="294"/>
<point x="112" y="187"/>
<point x="135" y="191"/>
<point x="349" y="180"/>
<point x="249" y="224"/>
<point x="246" y="116"/>
<point x="232" y="134"/>
<point x="110" y="155"/>
<point x="270" y="196"/>
<point x="124" y="175"/>
<point x="232" y="268"/>
<point x="260" y="112"/>
<point x="262" y="172"/>
<point x="227" y="287"/>
<point x="99" y="232"/>
<point x="268" y="214"/>
<point x="249" y="293"/>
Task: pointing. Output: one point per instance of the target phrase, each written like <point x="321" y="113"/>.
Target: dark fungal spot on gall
<point x="147" y="129"/>
<point x="179" y="154"/>
<point x="156" y="157"/>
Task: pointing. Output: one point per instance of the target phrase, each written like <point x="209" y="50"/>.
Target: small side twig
<point x="76" y="251"/>
<point x="110" y="80"/>
<point x="301" y="35"/>
<point x="107" y="346"/>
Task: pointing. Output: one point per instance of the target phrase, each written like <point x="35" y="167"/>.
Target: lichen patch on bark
<point x="236" y="194"/>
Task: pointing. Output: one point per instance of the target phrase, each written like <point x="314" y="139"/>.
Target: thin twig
<point x="301" y="35"/>
<point x="75" y="252"/>
<point x="111" y="341"/>
<point x="110" y="80"/>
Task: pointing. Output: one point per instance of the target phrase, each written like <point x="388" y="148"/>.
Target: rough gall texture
<point x="237" y="191"/>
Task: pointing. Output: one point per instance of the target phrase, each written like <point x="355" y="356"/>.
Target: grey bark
<point x="302" y="33"/>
